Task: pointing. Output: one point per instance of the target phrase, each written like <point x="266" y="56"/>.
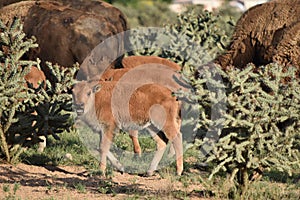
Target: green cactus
<point x="25" y="112"/>
<point x="259" y="129"/>
<point x="249" y="119"/>
<point x="194" y="39"/>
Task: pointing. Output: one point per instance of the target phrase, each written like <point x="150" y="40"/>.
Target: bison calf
<point x="136" y="62"/>
<point x="94" y="104"/>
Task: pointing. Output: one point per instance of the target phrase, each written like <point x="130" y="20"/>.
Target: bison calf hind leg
<point x="161" y="145"/>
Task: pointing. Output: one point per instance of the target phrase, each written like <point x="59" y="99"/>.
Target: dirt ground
<point x="73" y="182"/>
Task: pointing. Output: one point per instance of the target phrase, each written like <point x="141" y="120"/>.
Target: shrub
<point x="27" y="113"/>
<point x="249" y="119"/>
<point x="258" y="130"/>
<point x="194" y="39"/>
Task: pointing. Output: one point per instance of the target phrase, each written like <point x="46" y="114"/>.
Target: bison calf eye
<point x="89" y="93"/>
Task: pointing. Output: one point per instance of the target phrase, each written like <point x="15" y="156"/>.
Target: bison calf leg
<point x="177" y="144"/>
<point x="136" y="145"/>
<point x="42" y="144"/>
<point x="105" y="143"/>
<point x="161" y="147"/>
<point x="114" y="161"/>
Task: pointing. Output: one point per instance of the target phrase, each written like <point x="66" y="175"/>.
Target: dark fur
<point x="67" y="32"/>
<point x="265" y="33"/>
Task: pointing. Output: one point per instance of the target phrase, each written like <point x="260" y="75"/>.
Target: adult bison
<point x="67" y="32"/>
<point x="265" y="33"/>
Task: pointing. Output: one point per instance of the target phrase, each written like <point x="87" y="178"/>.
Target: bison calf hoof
<point x="121" y="170"/>
<point x="149" y="173"/>
<point x="179" y="173"/>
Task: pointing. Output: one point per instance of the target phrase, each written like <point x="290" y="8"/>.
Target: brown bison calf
<point x="94" y="104"/>
<point x="88" y="70"/>
<point x="129" y="63"/>
<point x="36" y="77"/>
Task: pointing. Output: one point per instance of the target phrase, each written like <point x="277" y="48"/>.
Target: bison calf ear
<point x="96" y="88"/>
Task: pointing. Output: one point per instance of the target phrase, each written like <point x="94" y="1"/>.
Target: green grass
<point x="274" y="185"/>
<point x="11" y="195"/>
<point x="56" y="150"/>
<point x="276" y="176"/>
<point x="80" y="187"/>
<point x="106" y="187"/>
<point x="273" y="190"/>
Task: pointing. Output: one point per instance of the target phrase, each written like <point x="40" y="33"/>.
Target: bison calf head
<point x="84" y="96"/>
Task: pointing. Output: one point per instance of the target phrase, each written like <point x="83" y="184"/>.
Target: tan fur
<point x="92" y="6"/>
<point x="36" y="77"/>
<point x="113" y="74"/>
<point x="133" y="62"/>
<point x="288" y="47"/>
<point x="86" y="71"/>
<point x="98" y="113"/>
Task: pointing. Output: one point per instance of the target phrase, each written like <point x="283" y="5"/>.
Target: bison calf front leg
<point x="42" y="144"/>
<point x="106" y="140"/>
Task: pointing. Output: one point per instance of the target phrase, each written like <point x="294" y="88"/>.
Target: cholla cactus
<point x="200" y="35"/>
<point x="194" y="39"/>
<point x="12" y="83"/>
<point x="25" y="112"/>
<point x="261" y="123"/>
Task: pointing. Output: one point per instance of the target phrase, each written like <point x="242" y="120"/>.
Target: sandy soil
<point x="73" y="182"/>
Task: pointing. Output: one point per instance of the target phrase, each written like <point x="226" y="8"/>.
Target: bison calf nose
<point x="79" y="108"/>
<point x="79" y="105"/>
